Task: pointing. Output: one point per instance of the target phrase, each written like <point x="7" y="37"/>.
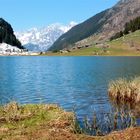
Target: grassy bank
<point x="46" y="122"/>
<point x="33" y="121"/>
<point x="96" y="51"/>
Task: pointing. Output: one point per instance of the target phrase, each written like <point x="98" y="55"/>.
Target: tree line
<point x="129" y="27"/>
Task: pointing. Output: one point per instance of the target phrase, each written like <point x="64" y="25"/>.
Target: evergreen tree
<point x="131" y="26"/>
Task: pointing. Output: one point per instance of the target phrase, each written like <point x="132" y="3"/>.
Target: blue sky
<point x="25" y="14"/>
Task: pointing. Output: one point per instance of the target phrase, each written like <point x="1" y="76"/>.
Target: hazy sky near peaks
<point x="25" y="14"/>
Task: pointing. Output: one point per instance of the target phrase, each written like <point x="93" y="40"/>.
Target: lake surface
<point x="79" y="82"/>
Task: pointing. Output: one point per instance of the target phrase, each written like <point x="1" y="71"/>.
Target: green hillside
<point x="128" y="45"/>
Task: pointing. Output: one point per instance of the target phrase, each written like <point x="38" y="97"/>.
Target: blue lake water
<point x="68" y="81"/>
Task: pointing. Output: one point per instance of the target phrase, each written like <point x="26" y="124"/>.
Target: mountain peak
<point x="105" y="24"/>
<point x="40" y="39"/>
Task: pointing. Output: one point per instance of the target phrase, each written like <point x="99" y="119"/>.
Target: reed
<point x="104" y="123"/>
<point x="123" y="90"/>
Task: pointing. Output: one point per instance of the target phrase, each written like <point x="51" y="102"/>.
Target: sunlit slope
<point x="128" y="45"/>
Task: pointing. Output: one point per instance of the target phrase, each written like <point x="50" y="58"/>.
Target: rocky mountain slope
<point x="40" y="39"/>
<point x="104" y="24"/>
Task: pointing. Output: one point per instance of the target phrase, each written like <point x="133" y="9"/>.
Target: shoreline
<point x="77" y="55"/>
<point x="48" y="121"/>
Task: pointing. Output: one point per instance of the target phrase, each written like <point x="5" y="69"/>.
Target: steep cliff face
<point x="105" y="24"/>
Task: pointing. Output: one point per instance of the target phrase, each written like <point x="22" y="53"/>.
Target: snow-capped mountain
<point x="40" y="39"/>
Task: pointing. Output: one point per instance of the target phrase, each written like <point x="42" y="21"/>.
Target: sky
<point x="26" y="14"/>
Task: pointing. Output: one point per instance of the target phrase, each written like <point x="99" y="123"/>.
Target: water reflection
<point x="67" y="81"/>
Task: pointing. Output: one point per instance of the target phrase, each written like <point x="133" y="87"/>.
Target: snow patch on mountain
<point x="8" y="48"/>
<point x="40" y="39"/>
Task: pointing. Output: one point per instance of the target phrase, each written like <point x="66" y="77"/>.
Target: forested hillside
<point x="7" y="34"/>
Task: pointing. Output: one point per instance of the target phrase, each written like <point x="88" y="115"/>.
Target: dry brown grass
<point x="123" y="90"/>
<point x="47" y="122"/>
<point x="33" y="121"/>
